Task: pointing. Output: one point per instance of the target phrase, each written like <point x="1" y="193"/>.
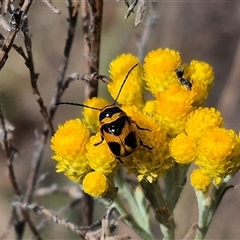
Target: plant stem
<point x="162" y="213"/>
<point x="205" y="209"/>
<point x="174" y="183"/>
<point x="207" y="206"/>
<point x="129" y="221"/>
<point x="125" y="192"/>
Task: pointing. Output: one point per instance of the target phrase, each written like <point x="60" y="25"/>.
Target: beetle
<point x="116" y="127"/>
<point x="184" y="81"/>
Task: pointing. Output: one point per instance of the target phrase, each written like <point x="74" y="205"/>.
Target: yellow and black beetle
<point x="184" y="81"/>
<point x="116" y="127"/>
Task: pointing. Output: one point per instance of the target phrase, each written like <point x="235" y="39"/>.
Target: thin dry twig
<point x="73" y="10"/>
<point x="92" y="11"/>
<point x="13" y="32"/>
<point x="191" y="230"/>
<point x="146" y="31"/>
<point x="131" y="7"/>
<point x="50" y="4"/>
<point x="34" y="76"/>
<point x="140" y="12"/>
<point x="107" y="216"/>
<point x="4" y="5"/>
<point x="47" y="116"/>
<point x="2" y="40"/>
<point x="86" y="77"/>
<point x="4" y="24"/>
<point x="92" y="26"/>
<point x="141" y="9"/>
<point x="45" y="221"/>
<point x="85" y="232"/>
<point x="74" y="191"/>
<point x="55" y="218"/>
<point x="41" y="141"/>
<point x="10" y="151"/>
<point x="94" y="77"/>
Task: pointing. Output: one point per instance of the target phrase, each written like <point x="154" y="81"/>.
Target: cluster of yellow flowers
<point x="181" y="130"/>
<point x="213" y="148"/>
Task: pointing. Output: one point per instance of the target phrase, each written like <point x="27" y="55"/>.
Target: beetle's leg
<point x="140" y="128"/>
<point x="96" y="144"/>
<point x="141" y="143"/>
<point x="119" y="159"/>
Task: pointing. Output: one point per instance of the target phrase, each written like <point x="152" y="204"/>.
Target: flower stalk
<point x="207" y="206"/>
<point x="175" y="181"/>
<point x="138" y="207"/>
<point x="163" y="215"/>
<point x="129" y="220"/>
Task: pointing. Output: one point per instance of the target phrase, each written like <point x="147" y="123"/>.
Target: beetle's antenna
<point x="78" y="104"/>
<point x="124" y="82"/>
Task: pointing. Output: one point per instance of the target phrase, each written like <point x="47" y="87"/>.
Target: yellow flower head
<point x="148" y="163"/>
<point x="91" y="116"/>
<point x="99" y="157"/>
<point x="95" y="184"/>
<point x="202" y="120"/>
<point x="183" y="149"/>
<point x="132" y="91"/>
<point x="201" y="75"/>
<point x="201" y="72"/>
<point x="218" y="153"/>
<point x="200" y="180"/>
<point x="159" y="69"/>
<point x="149" y="107"/>
<point x="69" y="143"/>
<point x="172" y="108"/>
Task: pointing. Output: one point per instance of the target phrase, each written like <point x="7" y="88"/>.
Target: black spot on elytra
<point x="115" y="148"/>
<point x="131" y="140"/>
